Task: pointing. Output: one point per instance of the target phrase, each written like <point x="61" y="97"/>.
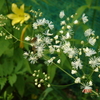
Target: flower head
<point x="18" y="15"/>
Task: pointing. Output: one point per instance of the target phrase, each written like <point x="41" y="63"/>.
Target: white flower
<point x="51" y="49"/>
<point x="58" y="61"/>
<point x="93" y="61"/>
<point x="76" y="22"/>
<point x="96" y="70"/>
<point x="92" y="40"/>
<point x="88" y="32"/>
<point x="56" y="37"/>
<point x="68" y="26"/>
<point x="47" y="33"/>
<point x="68" y="35"/>
<point x="73" y="72"/>
<point x="84" y="18"/>
<point x="89" y="52"/>
<point x="27" y="38"/>
<point x="62" y="14"/>
<point x="48" y="85"/>
<point x="47" y="40"/>
<point x="63" y="23"/>
<point x="77" y="64"/>
<point x="78" y="80"/>
<point x="87" y="89"/>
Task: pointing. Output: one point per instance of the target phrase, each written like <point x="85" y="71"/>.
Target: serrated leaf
<point x="20" y="85"/>
<point x="51" y="72"/>
<point x="12" y="79"/>
<point x="3" y="82"/>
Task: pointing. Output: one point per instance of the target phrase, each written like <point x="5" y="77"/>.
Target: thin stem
<point x="63" y="70"/>
<point x="63" y="85"/>
<point x="14" y="36"/>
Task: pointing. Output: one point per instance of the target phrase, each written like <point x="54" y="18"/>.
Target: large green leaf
<point x="12" y="79"/>
<point x="20" y="85"/>
<point x="3" y="81"/>
<point x="51" y="72"/>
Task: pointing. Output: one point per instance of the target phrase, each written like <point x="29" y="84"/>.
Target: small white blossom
<point x="48" y="85"/>
<point x="39" y="85"/>
<point x="88" y="32"/>
<point x="58" y="61"/>
<point x="78" y="80"/>
<point x="68" y="26"/>
<point x="62" y="14"/>
<point x="63" y="23"/>
<point x="56" y="37"/>
<point x="93" y="61"/>
<point x="76" y="22"/>
<point x="92" y="40"/>
<point x="73" y="72"/>
<point x="77" y="64"/>
<point x="89" y="52"/>
<point x="27" y="38"/>
<point x="84" y="18"/>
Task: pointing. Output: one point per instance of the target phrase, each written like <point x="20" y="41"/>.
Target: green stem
<point x="14" y="36"/>
<point x="63" y="70"/>
<point x="94" y="15"/>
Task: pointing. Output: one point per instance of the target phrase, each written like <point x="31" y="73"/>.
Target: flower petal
<point x="15" y="9"/>
<point x="22" y="8"/>
<point x="12" y="16"/>
<point x="16" y="20"/>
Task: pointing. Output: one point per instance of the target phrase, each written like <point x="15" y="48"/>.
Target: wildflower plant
<point x="37" y="44"/>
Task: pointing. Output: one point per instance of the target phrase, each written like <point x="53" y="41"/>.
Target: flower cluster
<point x="41" y="78"/>
<point x="46" y="44"/>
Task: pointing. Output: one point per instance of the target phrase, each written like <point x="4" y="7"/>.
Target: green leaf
<point x="95" y="7"/>
<point x="1" y="71"/>
<point x="3" y="82"/>
<point x="4" y="45"/>
<point x="88" y="2"/>
<point x="12" y="79"/>
<point x="80" y="11"/>
<point x="65" y="64"/>
<point x="51" y="72"/>
<point x="26" y="64"/>
<point x="45" y="93"/>
<point x="20" y="85"/>
<point x="1" y="3"/>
